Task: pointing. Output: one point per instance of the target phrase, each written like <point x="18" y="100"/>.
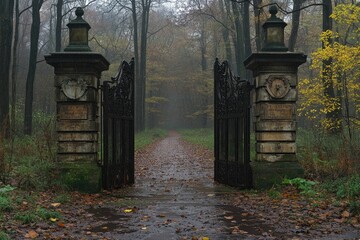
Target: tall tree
<point x="6" y="26"/>
<point x="14" y="66"/>
<point x="295" y="24"/>
<point x="58" y="27"/>
<point x="140" y="87"/>
<point x="328" y="86"/>
<point x="239" y="40"/>
<point x="34" y="43"/>
<point x="257" y="4"/>
<point x="225" y="30"/>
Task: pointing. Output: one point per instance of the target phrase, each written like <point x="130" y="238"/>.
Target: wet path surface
<point x="175" y="198"/>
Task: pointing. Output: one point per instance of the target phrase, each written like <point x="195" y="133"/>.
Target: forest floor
<point x="175" y="197"/>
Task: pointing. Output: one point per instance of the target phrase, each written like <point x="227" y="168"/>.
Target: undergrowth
<point x="326" y="156"/>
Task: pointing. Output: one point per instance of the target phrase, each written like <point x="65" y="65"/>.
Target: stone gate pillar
<point x="275" y="78"/>
<point x="77" y="77"/>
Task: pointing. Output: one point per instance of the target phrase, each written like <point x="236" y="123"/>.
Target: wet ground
<point x="175" y="197"/>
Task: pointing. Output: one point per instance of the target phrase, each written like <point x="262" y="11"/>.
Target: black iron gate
<point x="118" y="128"/>
<point x="232" y="127"/>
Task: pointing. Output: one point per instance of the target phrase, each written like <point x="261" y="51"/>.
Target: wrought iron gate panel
<point x="231" y="127"/>
<point x="118" y="128"/>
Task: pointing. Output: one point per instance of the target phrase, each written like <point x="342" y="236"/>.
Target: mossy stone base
<point x="266" y="174"/>
<point x="81" y="176"/>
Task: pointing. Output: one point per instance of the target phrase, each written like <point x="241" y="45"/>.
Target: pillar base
<point x="81" y="176"/>
<point x="266" y="174"/>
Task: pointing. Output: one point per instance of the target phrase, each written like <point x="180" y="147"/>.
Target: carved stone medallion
<point x="277" y="86"/>
<point x="74" y="88"/>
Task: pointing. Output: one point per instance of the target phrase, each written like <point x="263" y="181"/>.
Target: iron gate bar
<point x="231" y="127"/>
<point x="118" y="128"/>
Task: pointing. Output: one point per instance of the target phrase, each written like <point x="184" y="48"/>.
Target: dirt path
<point x="177" y="198"/>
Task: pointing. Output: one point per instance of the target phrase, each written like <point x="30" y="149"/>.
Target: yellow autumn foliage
<point x="342" y="50"/>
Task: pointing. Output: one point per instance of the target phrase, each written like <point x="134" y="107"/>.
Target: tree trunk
<point x="258" y="37"/>
<point x="238" y="41"/>
<point x="59" y="7"/>
<point x="204" y="67"/>
<point x="14" y="69"/>
<point x="141" y="79"/>
<point x="329" y="91"/>
<point x="295" y="25"/>
<point x="34" y="42"/>
<point x="247" y="40"/>
<point x="6" y="25"/>
<point x="225" y="31"/>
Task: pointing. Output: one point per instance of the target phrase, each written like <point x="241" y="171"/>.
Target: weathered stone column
<point x="275" y="78"/>
<point x="77" y="76"/>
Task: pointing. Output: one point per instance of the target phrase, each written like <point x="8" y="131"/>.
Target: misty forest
<point x="174" y="44"/>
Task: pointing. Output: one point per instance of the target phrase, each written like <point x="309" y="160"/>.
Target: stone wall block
<point x="77" y="126"/>
<point x="275" y="147"/>
<point x="275" y="136"/>
<point x="77" y="147"/>
<point x="272" y="125"/>
<point x="287" y="157"/>
<point x="77" y="136"/>
<point x="77" y="157"/>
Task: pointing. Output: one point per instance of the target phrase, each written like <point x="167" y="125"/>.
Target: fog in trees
<point x="174" y="44"/>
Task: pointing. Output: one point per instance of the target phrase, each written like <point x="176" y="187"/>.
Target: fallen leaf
<point x="160" y="215"/>
<point x="53" y="219"/>
<point x="211" y="195"/>
<point x="143" y="228"/>
<point x="61" y="224"/>
<point x="205" y="238"/>
<point x="341" y="220"/>
<point x="229" y="217"/>
<point x="31" y="234"/>
<point x="55" y="204"/>
<point x="129" y="210"/>
<point x="345" y="214"/>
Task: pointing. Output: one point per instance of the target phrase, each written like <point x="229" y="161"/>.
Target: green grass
<point x="200" y="136"/>
<point x="143" y="139"/>
<point x="32" y="216"/>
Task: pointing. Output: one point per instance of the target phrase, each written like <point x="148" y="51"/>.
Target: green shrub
<point x="32" y="216"/>
<point x="303" y="185"/>
<point x="33" y="172"/>
<point x="6" y="189"/>
<point x="350" y="188"/>
<point x="4" y="236"/>
<point x="5" y="204"/>
<point x="26" y="217"/>
<point x="44" y="213"/>
<point x="5" y="201"/>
